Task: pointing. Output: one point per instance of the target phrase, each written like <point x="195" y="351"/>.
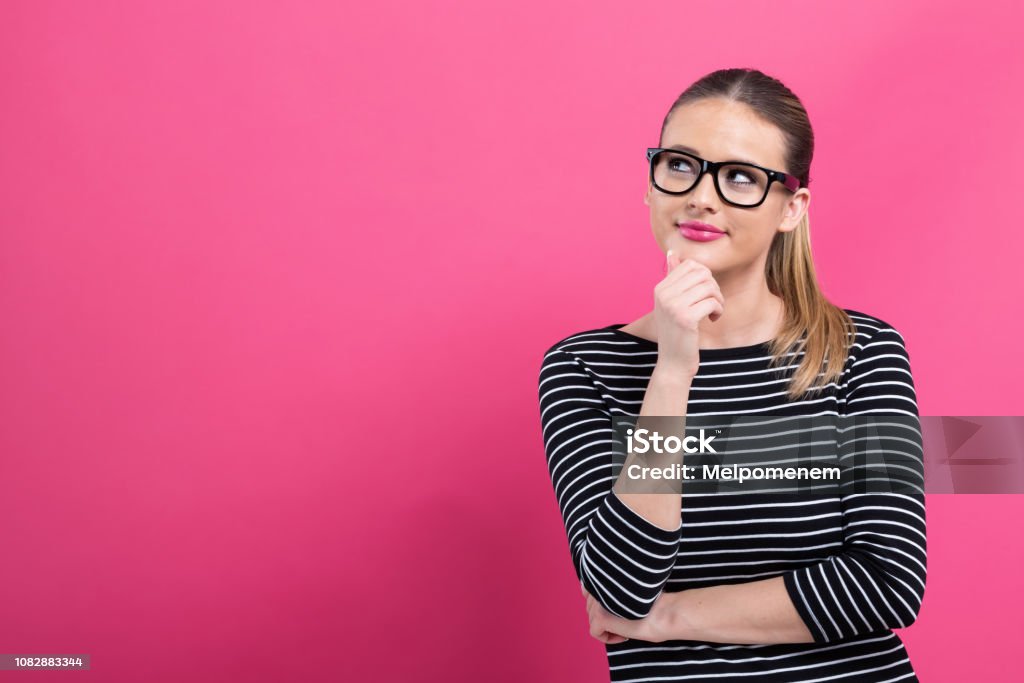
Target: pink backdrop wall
<point x="277" y="278"/>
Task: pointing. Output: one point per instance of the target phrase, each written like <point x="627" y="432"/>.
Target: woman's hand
<point x="687" y="295"/>
<point x="610" y="629"/>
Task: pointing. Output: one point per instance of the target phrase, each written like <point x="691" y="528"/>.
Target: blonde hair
<point x="820" y="329"/>
<point x="813" y="324"/>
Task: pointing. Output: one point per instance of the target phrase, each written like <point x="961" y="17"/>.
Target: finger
<point x="694" y="273"/>
<point x="718" y="291"/>
<point x="601" y="620"/>
<point x="673" y="260"/>
<point x="706" y="307"/>
<point x="721" y="299"/>
<point x="705" y="290"/>
<point x="611" y="638"/>
<point x="670" y="290"/>
<point x="596" y="627"/>
<point x="594" y="616"/>
<point x="675" y="263"/>
<point x="688" y="270"/>
<point x="690" y="290"/>
<point x="679" y="280"/>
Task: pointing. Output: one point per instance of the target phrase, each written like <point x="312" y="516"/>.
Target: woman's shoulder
<point x="878" y="375"/>
<point x="869" y="324"/>
<point x="874" y="336"/>
<point x="598" y="340"/>
<point x="878" y="342"/>
<point x="584" y="339"/>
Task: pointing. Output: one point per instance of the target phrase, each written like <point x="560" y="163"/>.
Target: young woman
<point x="722" y="587"/>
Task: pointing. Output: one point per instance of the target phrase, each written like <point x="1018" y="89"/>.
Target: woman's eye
<point x="681" y="166"/>
<point x="740" y="178"/>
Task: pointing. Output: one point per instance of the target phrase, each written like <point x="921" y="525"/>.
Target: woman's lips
<point x="695" y="232"/>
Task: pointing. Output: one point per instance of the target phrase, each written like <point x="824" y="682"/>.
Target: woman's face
<point x="719" y="130"/>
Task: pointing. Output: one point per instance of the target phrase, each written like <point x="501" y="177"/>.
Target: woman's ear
<point x="795" y="209"/>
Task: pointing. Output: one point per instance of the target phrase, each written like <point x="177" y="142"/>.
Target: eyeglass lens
<point x="739" y="183"/>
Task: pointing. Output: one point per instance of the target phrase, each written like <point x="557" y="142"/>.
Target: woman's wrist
<point x="668" y="374"/>
<point x="676" y="622"/>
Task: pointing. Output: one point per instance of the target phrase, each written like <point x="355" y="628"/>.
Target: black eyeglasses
<point x="737" y="183"/>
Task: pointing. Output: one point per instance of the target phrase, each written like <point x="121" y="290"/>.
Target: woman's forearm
<point x="757" y="612"/>
<point x="667" y="394"/>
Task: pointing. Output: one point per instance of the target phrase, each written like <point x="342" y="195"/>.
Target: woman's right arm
<point x="623" y="545"/>
<point x="623" y="548"/>
<point x="667" y="395"/>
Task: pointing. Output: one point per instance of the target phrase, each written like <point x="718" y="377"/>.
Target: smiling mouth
<point x="703" y="227"/>
<point x="696" y="233"/>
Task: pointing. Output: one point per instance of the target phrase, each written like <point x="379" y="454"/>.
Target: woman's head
<point x="720" y="129"/>
<point x="745" y="115"/>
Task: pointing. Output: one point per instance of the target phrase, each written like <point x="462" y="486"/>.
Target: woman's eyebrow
<point x="691" y="150"/>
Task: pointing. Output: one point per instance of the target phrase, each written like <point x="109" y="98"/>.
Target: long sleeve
<point x="622" y="558"/>
<point x="877" y="581"/>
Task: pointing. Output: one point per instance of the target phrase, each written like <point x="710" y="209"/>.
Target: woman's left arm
<point x="874" y="584"/>
<point x="757" y="612"/>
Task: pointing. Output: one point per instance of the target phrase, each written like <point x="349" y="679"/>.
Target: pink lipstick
<point x="700" y="232"/>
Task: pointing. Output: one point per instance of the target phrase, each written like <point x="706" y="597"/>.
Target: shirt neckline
<point x="759" y="349"/>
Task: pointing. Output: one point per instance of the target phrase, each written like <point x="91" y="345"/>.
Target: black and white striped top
<point x="854" y="565"/>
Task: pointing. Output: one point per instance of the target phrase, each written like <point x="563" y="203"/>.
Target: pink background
<point x="277" y="279"/>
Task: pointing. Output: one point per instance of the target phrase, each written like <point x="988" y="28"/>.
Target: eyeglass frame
<point x="786" y="180"/>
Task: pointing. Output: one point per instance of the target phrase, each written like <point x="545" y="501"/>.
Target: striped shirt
<point x="854" y="565"/>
